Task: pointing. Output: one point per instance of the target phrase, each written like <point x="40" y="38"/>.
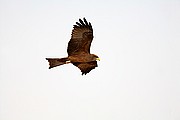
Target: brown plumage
<point x="78" y="49"/>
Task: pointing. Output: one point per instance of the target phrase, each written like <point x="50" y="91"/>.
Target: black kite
<point x="79" y="49"/>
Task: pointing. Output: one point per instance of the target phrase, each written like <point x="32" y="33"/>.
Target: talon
<point x="68" y="61"/>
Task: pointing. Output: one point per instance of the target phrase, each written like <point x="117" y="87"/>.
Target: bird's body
<point x="79" y="49"/>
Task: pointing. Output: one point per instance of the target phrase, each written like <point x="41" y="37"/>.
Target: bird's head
<point x="95" y="57"/>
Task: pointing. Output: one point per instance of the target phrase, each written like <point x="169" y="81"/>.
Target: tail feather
<point x="53" y="62"/>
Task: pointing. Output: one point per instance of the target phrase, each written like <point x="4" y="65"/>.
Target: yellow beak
<point x="98" y="59"/>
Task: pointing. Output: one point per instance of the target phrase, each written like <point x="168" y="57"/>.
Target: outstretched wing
<point x="81" y="38"/>
<point x="86" y="67"/>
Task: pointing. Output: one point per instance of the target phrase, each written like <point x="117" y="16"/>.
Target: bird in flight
<point x="79" y="49"/>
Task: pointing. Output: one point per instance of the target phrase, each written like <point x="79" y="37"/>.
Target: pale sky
<point x="138" y="77"/>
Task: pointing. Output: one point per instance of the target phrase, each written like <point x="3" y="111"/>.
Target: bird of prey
<point x="79" y="49"/>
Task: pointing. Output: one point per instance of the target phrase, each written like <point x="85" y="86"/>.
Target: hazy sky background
<point x="138" y="77"/>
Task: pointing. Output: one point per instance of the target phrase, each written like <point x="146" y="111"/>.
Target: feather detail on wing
<point x="86" y="67"/>
<point x="81" y="38"/>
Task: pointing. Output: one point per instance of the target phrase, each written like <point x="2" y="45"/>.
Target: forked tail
<point x="53" y="62"/>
